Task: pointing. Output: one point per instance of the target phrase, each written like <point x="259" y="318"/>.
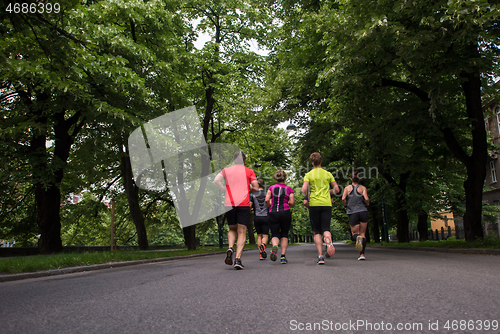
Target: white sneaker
<point x="361" y="257"/>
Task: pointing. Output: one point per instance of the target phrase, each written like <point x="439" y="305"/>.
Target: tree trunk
<point x="402" y="217"/>
<point x="403" y="221"/>
<point x="132" y="192"/>
<point x="473" y="206"/>
<point x="47" y="201"/>
<point x="376" y="222"/>
<point x="48" y="204"/>
<point x="190" y="237"/>
<point x="422" y="226"/>
<point x="476" y="163"/>
<point x="47" y="191"/>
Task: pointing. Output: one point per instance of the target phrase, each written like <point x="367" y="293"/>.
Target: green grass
<point x="488" y="242"/>
<point x="13" y="265"/>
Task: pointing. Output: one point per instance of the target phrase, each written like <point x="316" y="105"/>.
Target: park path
<point x="392" y="289"/>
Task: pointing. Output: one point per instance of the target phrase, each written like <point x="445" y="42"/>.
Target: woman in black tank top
<point x="355" y="199"/>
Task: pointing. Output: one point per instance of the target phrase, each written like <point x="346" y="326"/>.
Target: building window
<point x="493" y="172"/>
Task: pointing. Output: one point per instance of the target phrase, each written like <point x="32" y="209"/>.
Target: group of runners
<point x="272" y="209"/>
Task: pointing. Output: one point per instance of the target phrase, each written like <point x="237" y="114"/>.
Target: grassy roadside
<point x="487" y="243"/>
<point x="14" y="265"/>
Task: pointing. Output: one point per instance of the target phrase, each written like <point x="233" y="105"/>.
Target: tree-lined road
<point x="203" y="295"/>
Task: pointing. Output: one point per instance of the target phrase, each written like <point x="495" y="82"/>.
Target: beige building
<point x="491" y="193"/>
<point x="445" y="219"/>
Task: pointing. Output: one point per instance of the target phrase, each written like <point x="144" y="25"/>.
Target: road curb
<point x="482" y="251"/>
<point x="70" y="270"/>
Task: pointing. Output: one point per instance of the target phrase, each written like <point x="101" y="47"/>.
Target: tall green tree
<point x="63" y="73"/>
<point x="45" y="71"/>
<point x="228" y="72"/>
<point x="442" y="53"/>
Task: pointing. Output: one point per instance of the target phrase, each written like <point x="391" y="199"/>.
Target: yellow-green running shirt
<point x="319" y="183"/>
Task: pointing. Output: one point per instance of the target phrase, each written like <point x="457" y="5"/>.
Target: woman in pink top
<point x="279" y="198"/>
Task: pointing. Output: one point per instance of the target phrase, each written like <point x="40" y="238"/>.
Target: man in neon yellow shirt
<point x="318" y="181"/>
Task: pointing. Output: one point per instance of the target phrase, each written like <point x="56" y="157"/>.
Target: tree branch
<point x="422" y="95"/>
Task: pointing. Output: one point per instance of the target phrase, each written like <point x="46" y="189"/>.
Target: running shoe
<point x="326" y="253"/>
<point x="283" y="259"/>
<point x="229" y="257"/>
<point x="273" y="253"/>
<point x="330" y="250"/>
<point x="321" y="259"/>
<point x="361" y="257"/>
<point x="261" y="257"/>
<point x="263" y="252"/>
<point x="238" y="265"/>
<point x="359" y="243"/>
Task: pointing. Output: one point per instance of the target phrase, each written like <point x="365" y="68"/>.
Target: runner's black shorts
<point x="261" y="224"/>
<point x="320" y="217"/>
<point x="358" y="217"/>
<point x="238" y="215"/>
<point x="279" y="223"/>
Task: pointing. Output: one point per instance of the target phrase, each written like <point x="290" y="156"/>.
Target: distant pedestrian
<point x="355" y="200"/>
<point x="260" y="220"/>
<point x="321" y="185"/>
<point x="239" y="180"/>
<point x="279" y="198"/>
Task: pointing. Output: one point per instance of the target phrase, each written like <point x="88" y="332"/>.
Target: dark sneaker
<point x="361" y="258"/>
<point x="330" y="250"/>
<point x="229" y="257"/>
<point x="326" y="253"/>
<point x="283" y="260"/>
<point x="263" y="252"/>
<point x="359" y="243"/>
<point x="321" y="259"/>
<point x="274" y="257"/>
<point x="238" y="265"/>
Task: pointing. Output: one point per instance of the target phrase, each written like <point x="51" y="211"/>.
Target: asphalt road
<point x="393" y="291"/>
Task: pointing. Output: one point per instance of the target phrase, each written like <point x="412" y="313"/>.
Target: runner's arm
<point x="269" y="203"/>
<point x="335" y="188"/>
<point x="291" y="200"/>
<point x="365" y="195"/>
<point x="254" y="186"/>
<point x="305" y="188"/>
<point x="344" y="197"/>
<point x="218" y="182"/>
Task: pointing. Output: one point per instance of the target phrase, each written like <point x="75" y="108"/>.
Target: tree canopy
<point x="394" y="85"/>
